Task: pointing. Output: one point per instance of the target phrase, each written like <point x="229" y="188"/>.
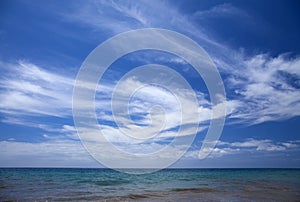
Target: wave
<point x="196" y="190"/>
<point x="105" y="182"/>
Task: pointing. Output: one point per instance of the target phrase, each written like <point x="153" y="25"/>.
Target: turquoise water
<point x="62" y="184"/>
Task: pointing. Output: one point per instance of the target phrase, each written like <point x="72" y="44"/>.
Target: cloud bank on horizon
<point x="36" y="95"/>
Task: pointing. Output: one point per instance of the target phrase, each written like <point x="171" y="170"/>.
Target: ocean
<point x="76" y="184"/>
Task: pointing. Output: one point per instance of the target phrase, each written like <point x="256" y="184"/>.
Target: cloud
<point x="149" y="95"/>
<point x="266" y="88"/>
<point x="122" y="17"/>
<point x="213" y="152"/>
<point x="259" y="145"/>
<point x="249" y="145"/>
<point x="48" y="153"/>
<point x="29" y="91"/>
<point x="221" y="10"/>
<point x="289" y="145"/>
<point x="263" y="88"/>
<point x="116" y="17"/>
<point x="61" y="152"/>
<point x="26" y="89"/>
<point x="260" y="87"/>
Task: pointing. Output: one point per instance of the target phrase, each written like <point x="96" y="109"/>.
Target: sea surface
<point x="65" y="184"/>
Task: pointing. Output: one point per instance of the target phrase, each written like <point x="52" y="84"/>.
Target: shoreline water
<point x="94" y="184"/>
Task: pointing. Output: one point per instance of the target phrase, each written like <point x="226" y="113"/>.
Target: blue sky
<point x="254" y="45"/>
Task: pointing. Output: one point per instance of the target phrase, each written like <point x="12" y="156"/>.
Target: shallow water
<point x="63" y="184"/>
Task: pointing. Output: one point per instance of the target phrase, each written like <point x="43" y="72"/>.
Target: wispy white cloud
<point x="61" y="152"/>
<point x="118" y="16"/>
<point x="30" y="90"/>
<point x="267" y="88"/>
<point x="262" y="88"/>
<point x="260" y="95"/>
<point x="260" y="84"/>
<point x="247" y="146"/>
<point x="259" y="145"/>
<point x="70" y="153"/>
<point x="59" y="101"/>
<point x="213" y="152"/>
<point x="221" y="10"/>
<point x="49" y="153"/>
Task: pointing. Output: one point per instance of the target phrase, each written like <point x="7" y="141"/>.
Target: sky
<point x="254" y="45"/>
